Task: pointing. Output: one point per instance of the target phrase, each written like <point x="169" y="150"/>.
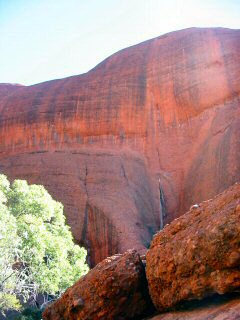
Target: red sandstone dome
<point x="136" y="141"/>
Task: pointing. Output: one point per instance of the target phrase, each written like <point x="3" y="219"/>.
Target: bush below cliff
<point x="38" y="258"/>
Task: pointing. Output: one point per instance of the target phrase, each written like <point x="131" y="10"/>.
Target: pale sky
<point x="42" y="40"/>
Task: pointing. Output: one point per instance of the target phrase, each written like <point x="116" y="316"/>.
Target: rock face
<point x="7" y="89"/>
<point x="215" y="309"/>
<point x="137" y="140"/>
<point x="115" y="289"/>
<point x="198" y="254"/>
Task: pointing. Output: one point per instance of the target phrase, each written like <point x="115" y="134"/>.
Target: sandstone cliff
<point x="147" y="133"/>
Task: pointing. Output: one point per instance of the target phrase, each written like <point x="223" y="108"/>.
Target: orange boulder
<point x="115" y="289"/>
<point x="198" y="254"/>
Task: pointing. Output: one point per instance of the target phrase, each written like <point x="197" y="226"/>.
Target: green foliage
<point x="30" y="314"/>
<point x="9" y="302"/>
<point x="37" y="252"/>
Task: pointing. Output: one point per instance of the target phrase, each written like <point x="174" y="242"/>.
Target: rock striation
<point x="133" y="143"/>
<point x="198" y="254"/>
<point x="115" y="289"/>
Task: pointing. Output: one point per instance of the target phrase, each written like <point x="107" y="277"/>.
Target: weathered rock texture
<point x="115" y="289"/>
<point x="209" y="310"/>
<point x="148" y="132"/>
<point x="198" y="254"/>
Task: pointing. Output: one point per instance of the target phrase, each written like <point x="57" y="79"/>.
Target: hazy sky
<point x="48" y="39"/>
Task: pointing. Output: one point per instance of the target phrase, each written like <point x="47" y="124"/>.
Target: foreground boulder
<point x="115" y="289"/>
<point x="198" y="254"/>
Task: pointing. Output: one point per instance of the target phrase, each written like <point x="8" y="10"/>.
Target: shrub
<point x="37" y="252"/>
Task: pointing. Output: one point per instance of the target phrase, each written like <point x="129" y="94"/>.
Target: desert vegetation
<point x="38" y="257"/>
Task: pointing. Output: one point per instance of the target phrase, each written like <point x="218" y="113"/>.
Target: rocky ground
<point x="225" y="307"/>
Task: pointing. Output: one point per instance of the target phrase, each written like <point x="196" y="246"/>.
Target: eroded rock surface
<point x="147" y="133"/>
<point x="198" y="254"/>
<point x="115" y="289"/>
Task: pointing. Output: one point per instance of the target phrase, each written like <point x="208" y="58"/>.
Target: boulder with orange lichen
<point x="198" y="254"/>
<point x="115" y="289"/>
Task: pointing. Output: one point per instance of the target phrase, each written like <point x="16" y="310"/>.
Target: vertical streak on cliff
<point x="162" y="207"/>
<point x="86" y="219"/>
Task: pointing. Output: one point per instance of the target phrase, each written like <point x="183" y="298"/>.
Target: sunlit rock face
<point x="147" y="133"/>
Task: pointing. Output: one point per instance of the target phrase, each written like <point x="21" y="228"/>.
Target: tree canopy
<point x="37" y="252"/>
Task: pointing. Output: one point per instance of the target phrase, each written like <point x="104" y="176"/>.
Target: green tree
<point x="37" y="252"/>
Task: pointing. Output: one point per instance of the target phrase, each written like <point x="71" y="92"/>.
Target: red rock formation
<point x="210" y="310"/>
<point x="198" y="254"/>
<point x="115" y="289"/>
<point x="165" y="109"/>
